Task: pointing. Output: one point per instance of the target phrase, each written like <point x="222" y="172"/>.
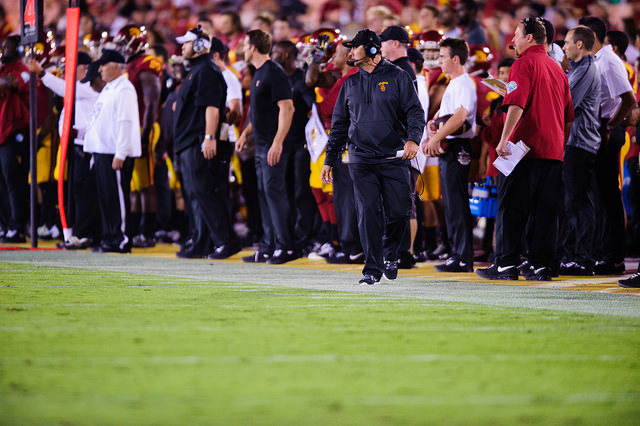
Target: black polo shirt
<point x="269" y="86"/>
<point x="203" y="87"/>
<point x="303" y="98"/>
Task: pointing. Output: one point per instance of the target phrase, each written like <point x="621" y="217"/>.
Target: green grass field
<point x="92" y="347"/>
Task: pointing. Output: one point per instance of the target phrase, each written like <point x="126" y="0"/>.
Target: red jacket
<point x="14" y="103"/>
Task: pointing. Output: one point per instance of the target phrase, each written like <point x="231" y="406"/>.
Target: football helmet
<point x="428" y="43"/>
<point x="131" y="39"/>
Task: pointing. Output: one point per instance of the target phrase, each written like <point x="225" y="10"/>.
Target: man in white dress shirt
<point x="113" y="137"/>
<point x="459" y="102"/>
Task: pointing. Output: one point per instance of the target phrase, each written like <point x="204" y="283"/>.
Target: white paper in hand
<point x="506" y="164"/>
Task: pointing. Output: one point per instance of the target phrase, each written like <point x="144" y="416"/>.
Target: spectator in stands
<point x="468" y="20"/>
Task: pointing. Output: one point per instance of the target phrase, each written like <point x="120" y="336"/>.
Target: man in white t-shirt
<point x="113" y="137"/>
<point x="219" y="52"/>
<point x="452" y="142"/>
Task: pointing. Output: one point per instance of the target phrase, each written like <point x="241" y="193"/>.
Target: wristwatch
<point x="209" y="137"/>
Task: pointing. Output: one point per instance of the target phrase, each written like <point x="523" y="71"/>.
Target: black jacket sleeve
<point x="340" y="122"/>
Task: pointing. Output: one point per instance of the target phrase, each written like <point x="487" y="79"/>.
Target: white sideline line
<point x="323" y="358"/>
<point x="445" y="400"/>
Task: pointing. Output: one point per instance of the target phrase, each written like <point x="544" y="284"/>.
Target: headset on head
<point x="198" y="44"/>
<point x="371" y="48"/>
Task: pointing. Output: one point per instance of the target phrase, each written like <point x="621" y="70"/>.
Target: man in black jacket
<point x="204" y="162"/>
<point x="379" y="113"/>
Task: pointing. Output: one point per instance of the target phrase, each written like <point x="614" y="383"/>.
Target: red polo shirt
<point x="14" y="103"/>
<point x="539" y="86"/>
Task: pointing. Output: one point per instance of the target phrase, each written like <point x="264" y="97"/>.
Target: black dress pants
<point x="346" y="217"/>
<point x="14" y="169"/>
<point x="610" y="241"/>
<point x="273" y="197"/>
<point x="578" y="175"/>
<point x="454" y="179"/>
<point x="113" y="189"/>
<point x="87" y="219"/>
<point x="304" y="207"/>
<point x="383" y="205"/>
<point x="206" y="184"/>
<point x="533" y="192"/>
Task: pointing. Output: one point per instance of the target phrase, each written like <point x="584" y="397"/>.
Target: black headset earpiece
<point x="198" y="45"/>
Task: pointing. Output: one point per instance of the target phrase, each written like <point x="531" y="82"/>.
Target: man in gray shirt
<point x="580" y="155"/>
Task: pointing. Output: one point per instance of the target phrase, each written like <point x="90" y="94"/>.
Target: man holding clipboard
<point x="538" y="106"/>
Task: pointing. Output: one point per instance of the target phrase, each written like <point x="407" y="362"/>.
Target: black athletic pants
<point x="344" y="202"/>
<point x="206" y="183"/>
<point x="14" y="169"/>
<point x="113" y="189"/>
<point x="454" y="180"/>
<point x="87" y="219"/>
<point x="273" y="197"/>
<point x="578" y="176"/>
<point x="533" y="192"/>
<point x="383" y="205"/>
<point x="610" y="241"/>
<point x="304" y="208"/>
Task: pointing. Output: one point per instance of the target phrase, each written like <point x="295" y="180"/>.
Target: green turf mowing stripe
<point x="81" y="346"/>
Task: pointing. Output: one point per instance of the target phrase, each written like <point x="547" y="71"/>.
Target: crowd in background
<point x="318" y="225"/>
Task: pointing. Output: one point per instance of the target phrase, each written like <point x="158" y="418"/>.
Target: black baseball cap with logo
<point x="395" y="32"/>
<point x="110" y="55"/>
<point x="363" y="37"/>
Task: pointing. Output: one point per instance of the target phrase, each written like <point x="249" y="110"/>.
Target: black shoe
<point x="539" y="274"/>
<point x="338" y="258"/>
<point x="524" y="268"/>
<point x="356" y="259"/>
<point x="495" y="272"/>
<point x="609" y="268"/>
<point x="575" y="269"/>
<point x="368" y="279"/>
<point x="282" y="256"/>
<point x="110" y="248"/>
<point x="13" y="236"/>
<point x="257" y="257"/>
<point x="441" y="252"/>
<point x="454" y="264"/>
<point x="390" y="269"/>
<point x="632" y="282"/>
<point x="189" y="254"/>
<point x="140" y="241"/>
<point x="224" y="251"/>
<point x="405" y="260"/>
<point x="420" y="257"/>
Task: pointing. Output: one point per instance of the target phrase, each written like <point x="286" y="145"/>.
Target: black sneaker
<point x="140" y="241"/>
<point x="257" y="257"/>
<point x="539" y="274"/>
<point x="282" y="256"/>
<point x="575" y="269"/>
<point x="524" y="268"/>
<point x="110" y="248"/>
<point x="189" y="254"/>
<point x="405" y="260"/>
<point x="338" y="258"/>
<point x="609" y="268"/>
<point x="454" y="264"/>
<point x="223" y="252"/>
<point x="632" y="282"/>
<point x="441" y="252"/>
<point x="357" y="259"/>
<point x="495" y="272"/>
<point x="368" y="279"/>
<point x="420" y="257"/>
<point x="13" y="236"/>
<point x="390" y="269"/>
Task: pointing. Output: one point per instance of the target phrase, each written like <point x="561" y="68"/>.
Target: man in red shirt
<point x="14" y="142"/>
<point x="538" y="105"/>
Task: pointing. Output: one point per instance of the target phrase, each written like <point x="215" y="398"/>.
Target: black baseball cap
<point x="363" y="37"/>
<point x="84" y="58"/>
<point x="218" y="45"/>
<point x="110" y="55"/>
<point x="93" y="71"/>
<point x="395" y="32"/>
